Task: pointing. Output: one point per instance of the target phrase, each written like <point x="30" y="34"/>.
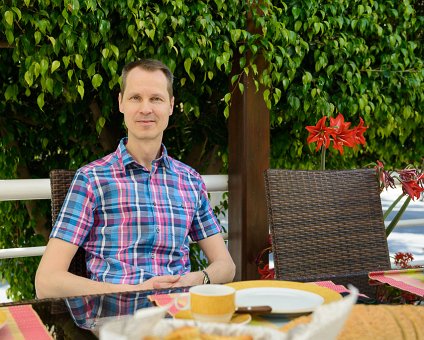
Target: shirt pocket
<point x="183" y="213"/>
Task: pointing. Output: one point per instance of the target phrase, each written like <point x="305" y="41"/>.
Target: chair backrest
<point x="60" y="181"/>
<point x="326" y="225"/>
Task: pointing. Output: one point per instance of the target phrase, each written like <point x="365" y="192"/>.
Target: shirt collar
<point x="126" y="159"/>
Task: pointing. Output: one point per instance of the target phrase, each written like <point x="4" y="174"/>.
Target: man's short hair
<point x="148" y="65"/>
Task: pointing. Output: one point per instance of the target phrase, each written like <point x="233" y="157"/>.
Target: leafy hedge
<point x="60" y="62"/>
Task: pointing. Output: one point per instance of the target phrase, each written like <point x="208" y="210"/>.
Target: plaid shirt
<point x="134" y="224"/>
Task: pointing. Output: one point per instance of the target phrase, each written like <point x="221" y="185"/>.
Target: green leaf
<point x="113" y="66"/>
<point x="296" y="12"/>
<point x="9" y="36"/>
<point x="115" y="50"/>
<point x="105" y="53"/>
<point x="49" y="85"/>
<point x="277" y="95"/>
<point x="65" y="60"/>
<point x="97" y="80"/>
<point x="78" y="60"/>
<point x="18" y="12"/>
<point x="29" y="77"/>
<point x="55" y="65"/>
<point x="40" y="101"/>
<point x="297" y="25"/>
<point x="53" y="41"/>
<point x="44" y="143"/>
<point x="102" y="121"/>
<point x="8" y="16"/>
<point x="187" y="65"/>
<point x="44" y="66"/>
<point x="241" y="87"/>
<point x="80" y="89"/>
<point x="307" y="78"/>
<point x="294" y="102"/>
<point x="11" y="92"/>
<point x="37" y="37"/>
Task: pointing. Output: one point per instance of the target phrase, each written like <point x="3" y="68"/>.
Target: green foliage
<point x="364" y="59"/>
<point x="59" y="80"/>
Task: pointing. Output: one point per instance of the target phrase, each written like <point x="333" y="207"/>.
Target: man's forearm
<point x="65" y="284"/>
<point x="221" y="271"/>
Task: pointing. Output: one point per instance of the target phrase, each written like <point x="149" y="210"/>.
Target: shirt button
<point x="152" y="255"/>
<point x="157" y="229"/>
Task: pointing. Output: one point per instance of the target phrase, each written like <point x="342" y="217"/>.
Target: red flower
<point x="266" y="273"/>
<point x="319" y="134"/>
<point x="358" y="132"/>
<point x="386" y="180"/>
<point x="402" y="260"/>
<point x="339" y="130"/>
<point x="412" y="188"/>
<point x="411" y="179"/>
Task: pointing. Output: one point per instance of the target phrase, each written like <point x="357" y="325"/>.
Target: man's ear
<point x="172" y="106"/>
<point x="119" y="102"/>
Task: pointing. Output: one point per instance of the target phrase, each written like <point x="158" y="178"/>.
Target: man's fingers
<point x="166" y="281"/>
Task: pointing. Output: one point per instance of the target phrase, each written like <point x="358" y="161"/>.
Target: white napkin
<point x="327" y="320"/>
<point x="130" y="327"/>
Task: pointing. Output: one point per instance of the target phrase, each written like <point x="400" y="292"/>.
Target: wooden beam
<point x="249" y="150"/>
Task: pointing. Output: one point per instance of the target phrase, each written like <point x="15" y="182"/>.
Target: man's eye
<point x="156" y="99"/>
<point x="134" y="98"/>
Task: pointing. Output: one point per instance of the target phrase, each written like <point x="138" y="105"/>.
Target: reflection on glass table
<point x="90" y="312"/>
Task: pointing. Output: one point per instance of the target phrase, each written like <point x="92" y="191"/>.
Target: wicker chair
<point x="60" y="181"/>
<point x="326" y="225"/>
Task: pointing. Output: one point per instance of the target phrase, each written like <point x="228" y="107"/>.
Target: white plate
<point x="282" y="300"/>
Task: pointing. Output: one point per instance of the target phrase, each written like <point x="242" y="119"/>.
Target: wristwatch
<point x="206" y="279"/>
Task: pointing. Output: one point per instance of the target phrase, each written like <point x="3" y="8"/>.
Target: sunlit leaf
<point x="55" y="65"/>
<point x="8" y="16"/>
<point x="78" y="61"/>
<point x="40" y="100"/>
<point x="97" y="80"/>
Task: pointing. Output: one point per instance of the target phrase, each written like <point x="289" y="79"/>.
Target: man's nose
<point x="145" y="107"/>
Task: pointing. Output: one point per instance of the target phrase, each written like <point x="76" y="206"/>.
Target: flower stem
<point x="399" y="214"/>
<point x="323" y="157"/>
<point x="389" y="210"/>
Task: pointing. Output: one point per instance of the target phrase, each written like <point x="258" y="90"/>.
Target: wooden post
<point x="249" y="145"/>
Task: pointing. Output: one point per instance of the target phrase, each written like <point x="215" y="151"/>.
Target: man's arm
<point x="53" y="279"/>
<point x="221" y="268"/>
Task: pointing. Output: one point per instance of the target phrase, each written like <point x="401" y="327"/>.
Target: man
<point x="132" y="211"/>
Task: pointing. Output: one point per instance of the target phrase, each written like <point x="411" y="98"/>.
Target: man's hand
<point x="159" y="282"/>
<point x="190" y="279"/>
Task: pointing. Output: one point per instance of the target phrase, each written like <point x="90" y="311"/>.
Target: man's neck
<point x="144" y="152"/>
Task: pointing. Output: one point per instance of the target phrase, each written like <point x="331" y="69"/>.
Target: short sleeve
<point x="205" y="223"/>
<point x="76" y="217"/>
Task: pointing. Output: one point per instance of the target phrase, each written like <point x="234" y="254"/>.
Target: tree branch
<point x="4" y="44"/>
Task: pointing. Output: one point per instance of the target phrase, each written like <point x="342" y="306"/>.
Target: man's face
<point x="146" y="105"/>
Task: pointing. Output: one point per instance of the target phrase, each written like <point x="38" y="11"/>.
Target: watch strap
<point x="206" y="279"/>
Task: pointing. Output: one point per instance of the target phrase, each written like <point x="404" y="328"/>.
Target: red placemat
<point x="23" y="323"/>
<point x="408" y="280"/>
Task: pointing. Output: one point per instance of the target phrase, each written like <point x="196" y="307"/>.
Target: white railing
<point x="38" y="189"/>
<point x="34" y="189"/>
